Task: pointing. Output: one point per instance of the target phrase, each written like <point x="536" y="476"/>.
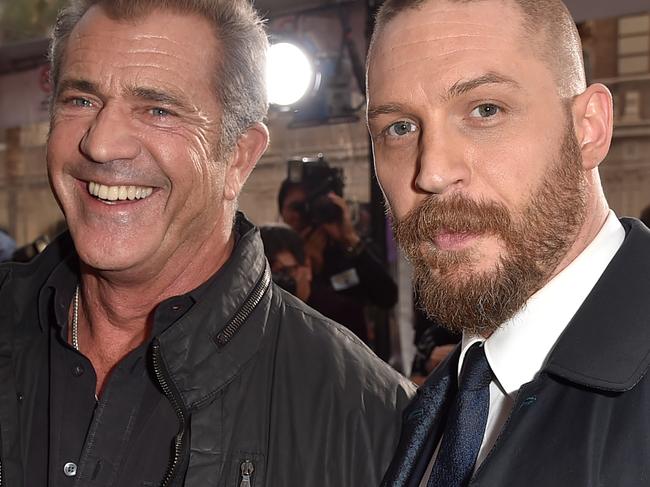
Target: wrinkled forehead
<point x="162" y="33"/>
<point x="146" y="26"/>
<point x="436" y="35"/>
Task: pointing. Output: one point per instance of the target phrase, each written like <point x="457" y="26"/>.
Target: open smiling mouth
<point x="118" y="193"/>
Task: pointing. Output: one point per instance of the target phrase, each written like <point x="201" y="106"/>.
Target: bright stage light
<point x="290" y="75"/>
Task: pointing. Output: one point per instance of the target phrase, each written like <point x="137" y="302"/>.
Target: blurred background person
<point x="285" y="251"/>
<point x="7" y="245"/>
<point x="432" y="344"/>
<point x="645" y="216"/>
<point x="27" y="252"/>
<point x="347" y="276"/>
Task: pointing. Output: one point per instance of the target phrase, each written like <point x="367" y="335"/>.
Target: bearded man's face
<point x="485" y="156"/>
<point x="455" y="286"/>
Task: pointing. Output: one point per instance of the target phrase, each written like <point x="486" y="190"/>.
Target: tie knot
<point x="476" y="372"/>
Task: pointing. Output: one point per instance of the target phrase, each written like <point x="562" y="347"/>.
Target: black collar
<point x="606" y="345"/>
<point x="58" y="291"/>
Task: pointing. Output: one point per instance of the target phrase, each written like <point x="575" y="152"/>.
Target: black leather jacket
<point x="268" y="392"/>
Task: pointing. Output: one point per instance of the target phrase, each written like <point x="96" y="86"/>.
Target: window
<point x="634" y="45"/>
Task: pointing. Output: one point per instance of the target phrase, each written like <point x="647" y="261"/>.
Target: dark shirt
<point x="122" y="439"/>
<point x="347" y="283"/>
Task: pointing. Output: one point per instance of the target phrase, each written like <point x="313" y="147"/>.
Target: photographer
<point x="346" y="274"/>
<point x="285" y="251"/>
<point x="433" y="343"/>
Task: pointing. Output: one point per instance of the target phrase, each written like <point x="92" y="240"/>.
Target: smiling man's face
<point x="132" y="154"/>
<point x="475" y="152"/>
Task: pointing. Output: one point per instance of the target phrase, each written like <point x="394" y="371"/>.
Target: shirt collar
<point x="520" y="346"/>
<point x="58" y="292"/>
<point x="56" y="295"/>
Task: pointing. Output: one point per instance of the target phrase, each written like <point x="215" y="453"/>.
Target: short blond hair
<point x="548" y="22"/>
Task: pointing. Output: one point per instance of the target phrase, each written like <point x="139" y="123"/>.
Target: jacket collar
<point x="607" y="343"/>
<point x="198" y="362"/>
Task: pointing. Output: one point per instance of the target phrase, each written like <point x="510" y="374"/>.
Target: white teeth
<point x="114" y="193"/>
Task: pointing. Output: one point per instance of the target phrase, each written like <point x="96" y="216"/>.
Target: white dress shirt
<point x="518" y="349"/>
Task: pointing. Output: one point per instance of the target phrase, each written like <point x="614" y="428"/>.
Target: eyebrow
<point x="457" y="89"/>
<point x="461" y="87"/>
<point x="78" y="85"/>
<point x="388" y="109"/>
<point x="141" y="92"/>
<point x="157" y="96"/>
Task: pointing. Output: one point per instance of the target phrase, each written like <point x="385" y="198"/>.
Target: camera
<point x="318" y="179"/>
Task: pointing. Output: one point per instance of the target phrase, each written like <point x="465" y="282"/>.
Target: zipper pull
<point x="247" y="469"/>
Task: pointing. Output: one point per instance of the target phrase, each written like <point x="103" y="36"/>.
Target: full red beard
<point x="460" y="297"/>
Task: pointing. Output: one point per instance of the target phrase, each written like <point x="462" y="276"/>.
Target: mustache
<point x="457" y="214"/>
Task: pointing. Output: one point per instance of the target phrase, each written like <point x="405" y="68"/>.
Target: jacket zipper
<point x="173" y="396"/>
<point x="247" y="469"/>
<point x="228" y="332"/>
<point x="222" y="339"/>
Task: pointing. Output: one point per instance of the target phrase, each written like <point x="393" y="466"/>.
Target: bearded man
<point x="487" y="143"/>
<point x="148" y="346"/>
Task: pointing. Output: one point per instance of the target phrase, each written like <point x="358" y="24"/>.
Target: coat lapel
<point x="423" y="422"/>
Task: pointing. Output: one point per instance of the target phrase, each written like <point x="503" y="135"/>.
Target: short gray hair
<point x="240" y="78"/>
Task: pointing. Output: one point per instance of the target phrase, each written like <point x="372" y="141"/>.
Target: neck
<point x="597" y="210"/>
<point x="115" y="313"/>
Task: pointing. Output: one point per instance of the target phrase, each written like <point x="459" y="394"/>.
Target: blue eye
<point x="159" y="112"/>
<point x="401" y="128"/>
<point x="486" y="110"/>
<point x="81" y="102"/>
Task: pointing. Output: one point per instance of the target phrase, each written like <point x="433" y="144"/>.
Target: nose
<point x="110" y="137"/>
<point x="443" y="165"/>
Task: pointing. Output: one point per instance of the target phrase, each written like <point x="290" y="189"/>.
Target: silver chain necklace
<point x="75" y="320"/>
<point x="75" y="323"/>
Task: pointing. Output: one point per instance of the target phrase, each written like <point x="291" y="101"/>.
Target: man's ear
<point x="249" y="148"/>
<point x="593" y="118"/>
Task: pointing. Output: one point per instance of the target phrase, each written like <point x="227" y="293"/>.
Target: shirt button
<point x="78" y="370"/>
<point x="70" y="469"/>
